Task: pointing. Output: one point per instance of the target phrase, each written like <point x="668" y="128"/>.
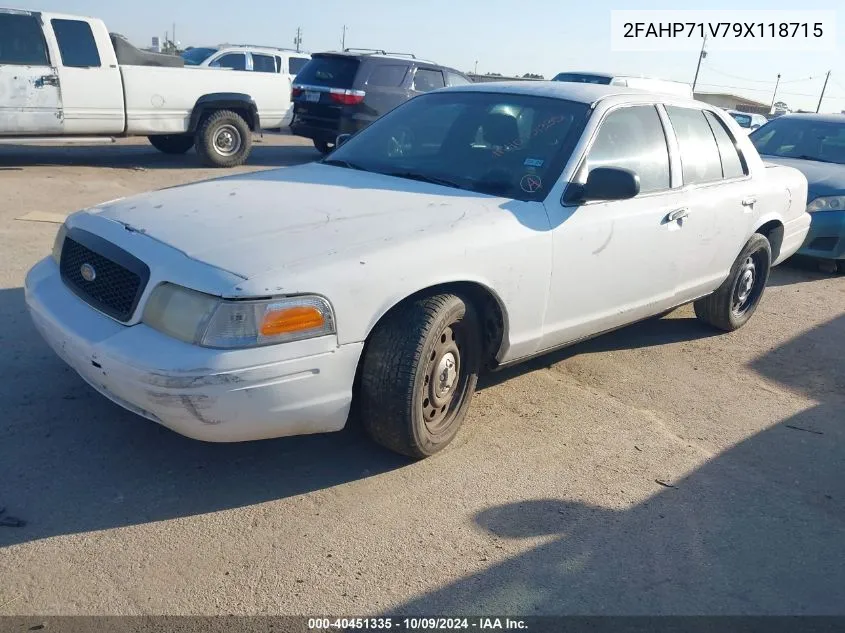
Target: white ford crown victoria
<point x="468" y="229"/>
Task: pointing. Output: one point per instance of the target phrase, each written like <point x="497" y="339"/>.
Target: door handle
<point x="677" y="214"/>
<point x="749" y="202"/>
<point x="47" y="80"/>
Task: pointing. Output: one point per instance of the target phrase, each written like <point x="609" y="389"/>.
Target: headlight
<point x="201" y="319"/>
<point x="58" y="243"/>
<point x="829" y="203"/>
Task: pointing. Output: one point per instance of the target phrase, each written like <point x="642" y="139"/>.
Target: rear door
<point x="385" y="82"/>
<point x="91" y="84"/>
<point x="719" y="199"/>
<point x="30" y="99"/>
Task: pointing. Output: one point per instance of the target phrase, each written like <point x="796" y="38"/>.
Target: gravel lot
<point x="548" y="502"/>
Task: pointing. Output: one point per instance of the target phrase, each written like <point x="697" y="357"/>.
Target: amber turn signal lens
<point x="289" y="320"/>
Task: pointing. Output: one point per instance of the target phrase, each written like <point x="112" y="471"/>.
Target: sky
<point x="511" y="38"/>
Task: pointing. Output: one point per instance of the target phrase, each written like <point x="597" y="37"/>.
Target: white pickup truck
<point x="65" y="78"/>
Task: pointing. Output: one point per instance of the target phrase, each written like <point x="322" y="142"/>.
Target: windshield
<point x="507" y="145"/>
<point x="582" y="78"/>
<point x="808" y="139"/>
<point x="744" y="120"/>
<point x="196" y="56"/>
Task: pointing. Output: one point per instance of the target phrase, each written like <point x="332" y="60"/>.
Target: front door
<point x="30" y="98"/>
<point x="619" y="261"/>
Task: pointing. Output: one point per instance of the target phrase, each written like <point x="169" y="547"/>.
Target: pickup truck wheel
<point x="224" y="140"/>
<point x="323" y="147"/>
<point x="732" y="304"/>
<point x="419" y="374"/>
<point x="172" y="143"/>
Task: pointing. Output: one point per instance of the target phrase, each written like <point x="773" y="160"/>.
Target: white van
<point x="662" y="86"/>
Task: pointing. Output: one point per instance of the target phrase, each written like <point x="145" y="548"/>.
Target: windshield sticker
<point x="530" y="183"/>
<point x="533" y="162"/>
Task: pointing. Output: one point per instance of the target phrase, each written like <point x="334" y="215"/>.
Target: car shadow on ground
<point x="119" y="156"/>
<point x="797" y="270"/>
<point x="759" y="529"/>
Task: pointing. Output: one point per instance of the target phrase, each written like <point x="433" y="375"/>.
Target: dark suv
<point x="341" y="93"/>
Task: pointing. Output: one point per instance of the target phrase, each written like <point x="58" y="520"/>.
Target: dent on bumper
<point x="212" y="395"/>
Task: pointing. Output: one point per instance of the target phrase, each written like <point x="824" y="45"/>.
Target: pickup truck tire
<point x="223" y="139"/>
<point x="735" y="301"/>
<point x="323" y="147"/>
<point x="172" y="143"/>
<point x="418" y="375"/>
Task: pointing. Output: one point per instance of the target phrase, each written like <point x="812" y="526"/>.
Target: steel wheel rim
<point x="227" y="140"/>
<point x="444" y="384"/>
<point x="747" y="287"/>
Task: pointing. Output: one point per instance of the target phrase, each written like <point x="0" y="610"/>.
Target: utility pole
<point x="774" y="94"/>
<point x="343" y="39"/>
<point x="298" y="39"/>
<point x="701" y="56"/>
<point x="174" y="36"/>
<point x="818" y="107"/>
<point x="475" y="72"/>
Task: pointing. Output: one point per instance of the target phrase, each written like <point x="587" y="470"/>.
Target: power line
<point x="761" y="81"/>
<point x="792" y="94"/>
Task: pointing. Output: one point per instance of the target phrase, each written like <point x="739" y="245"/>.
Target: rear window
<point x="263" y="63"/>
<point x="332" y="71"/>
<point x="76" y="43"/>
<point x="296" y="64"/>
<point x="582" y="78"/>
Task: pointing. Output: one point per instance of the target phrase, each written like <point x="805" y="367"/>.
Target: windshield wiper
<point x="434" y="180"/>
<point x="337" y="162"/>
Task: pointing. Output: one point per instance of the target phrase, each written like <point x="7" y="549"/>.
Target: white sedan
<point x="468" y="229"/>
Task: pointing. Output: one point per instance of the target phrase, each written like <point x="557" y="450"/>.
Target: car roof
<point x="364" y="54"/>
<point x="571" y="91"/>
<point x="812" y="116"/>
<point x="262" y="49"/>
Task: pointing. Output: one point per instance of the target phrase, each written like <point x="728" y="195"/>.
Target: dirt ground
<point x="662" y="469"/>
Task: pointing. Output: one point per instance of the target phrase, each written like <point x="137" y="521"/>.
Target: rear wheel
<point x="735" y="301"/>
<point x="419" y="374"/>
<point x="323" y="147"/>
<point x="224" y="139"/>
<point x="172" y="143"/>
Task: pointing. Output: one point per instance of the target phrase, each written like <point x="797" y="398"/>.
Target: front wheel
<point x="735" y="301"/>
<point x="172" y="143"/>
<point x="224" y="139"/>
<point x="419" y="374"/>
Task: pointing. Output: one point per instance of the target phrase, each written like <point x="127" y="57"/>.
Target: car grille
<point x="118" y="281"/>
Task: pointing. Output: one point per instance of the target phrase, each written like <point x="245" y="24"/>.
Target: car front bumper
<point x="207" y="394"/>
<point x="826" y="239"/>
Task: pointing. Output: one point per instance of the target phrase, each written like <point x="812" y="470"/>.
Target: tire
<point x="419" y="374"/>
<point x="735" y="301"/>
<point x="172" y="143"/>
<point x="223" y="140"/>
<point x="323" y="147"/>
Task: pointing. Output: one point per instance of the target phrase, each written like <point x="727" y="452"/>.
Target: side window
<point x="732" y="165"/>
<point x="295" y="64"/>
<point x="387" y="75"/>
<point x="21" y="41"/>
<point x="76" y="43"/>
<point x="454" y="79"/>
<point x="700" y="158"/>
<point x="235" y="61"/>
<point x="263" y="63"/>
<point x="428" y="80"/>
<point x="633" y="138"/>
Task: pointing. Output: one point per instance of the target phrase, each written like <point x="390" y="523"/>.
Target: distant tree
<point x="532" y="76"/>
<point x="494" y="74"/>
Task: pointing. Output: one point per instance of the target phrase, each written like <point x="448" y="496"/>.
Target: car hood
<point x="823" y="179"/>
<point x="296" y="217"/>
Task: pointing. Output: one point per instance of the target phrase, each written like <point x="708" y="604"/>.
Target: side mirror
<point x="610" y="183"/>
<point x="341" y="139"/>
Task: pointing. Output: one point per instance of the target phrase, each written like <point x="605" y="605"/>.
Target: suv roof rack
<point x="275" y="48"/>
<point x="378" y="51"/>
